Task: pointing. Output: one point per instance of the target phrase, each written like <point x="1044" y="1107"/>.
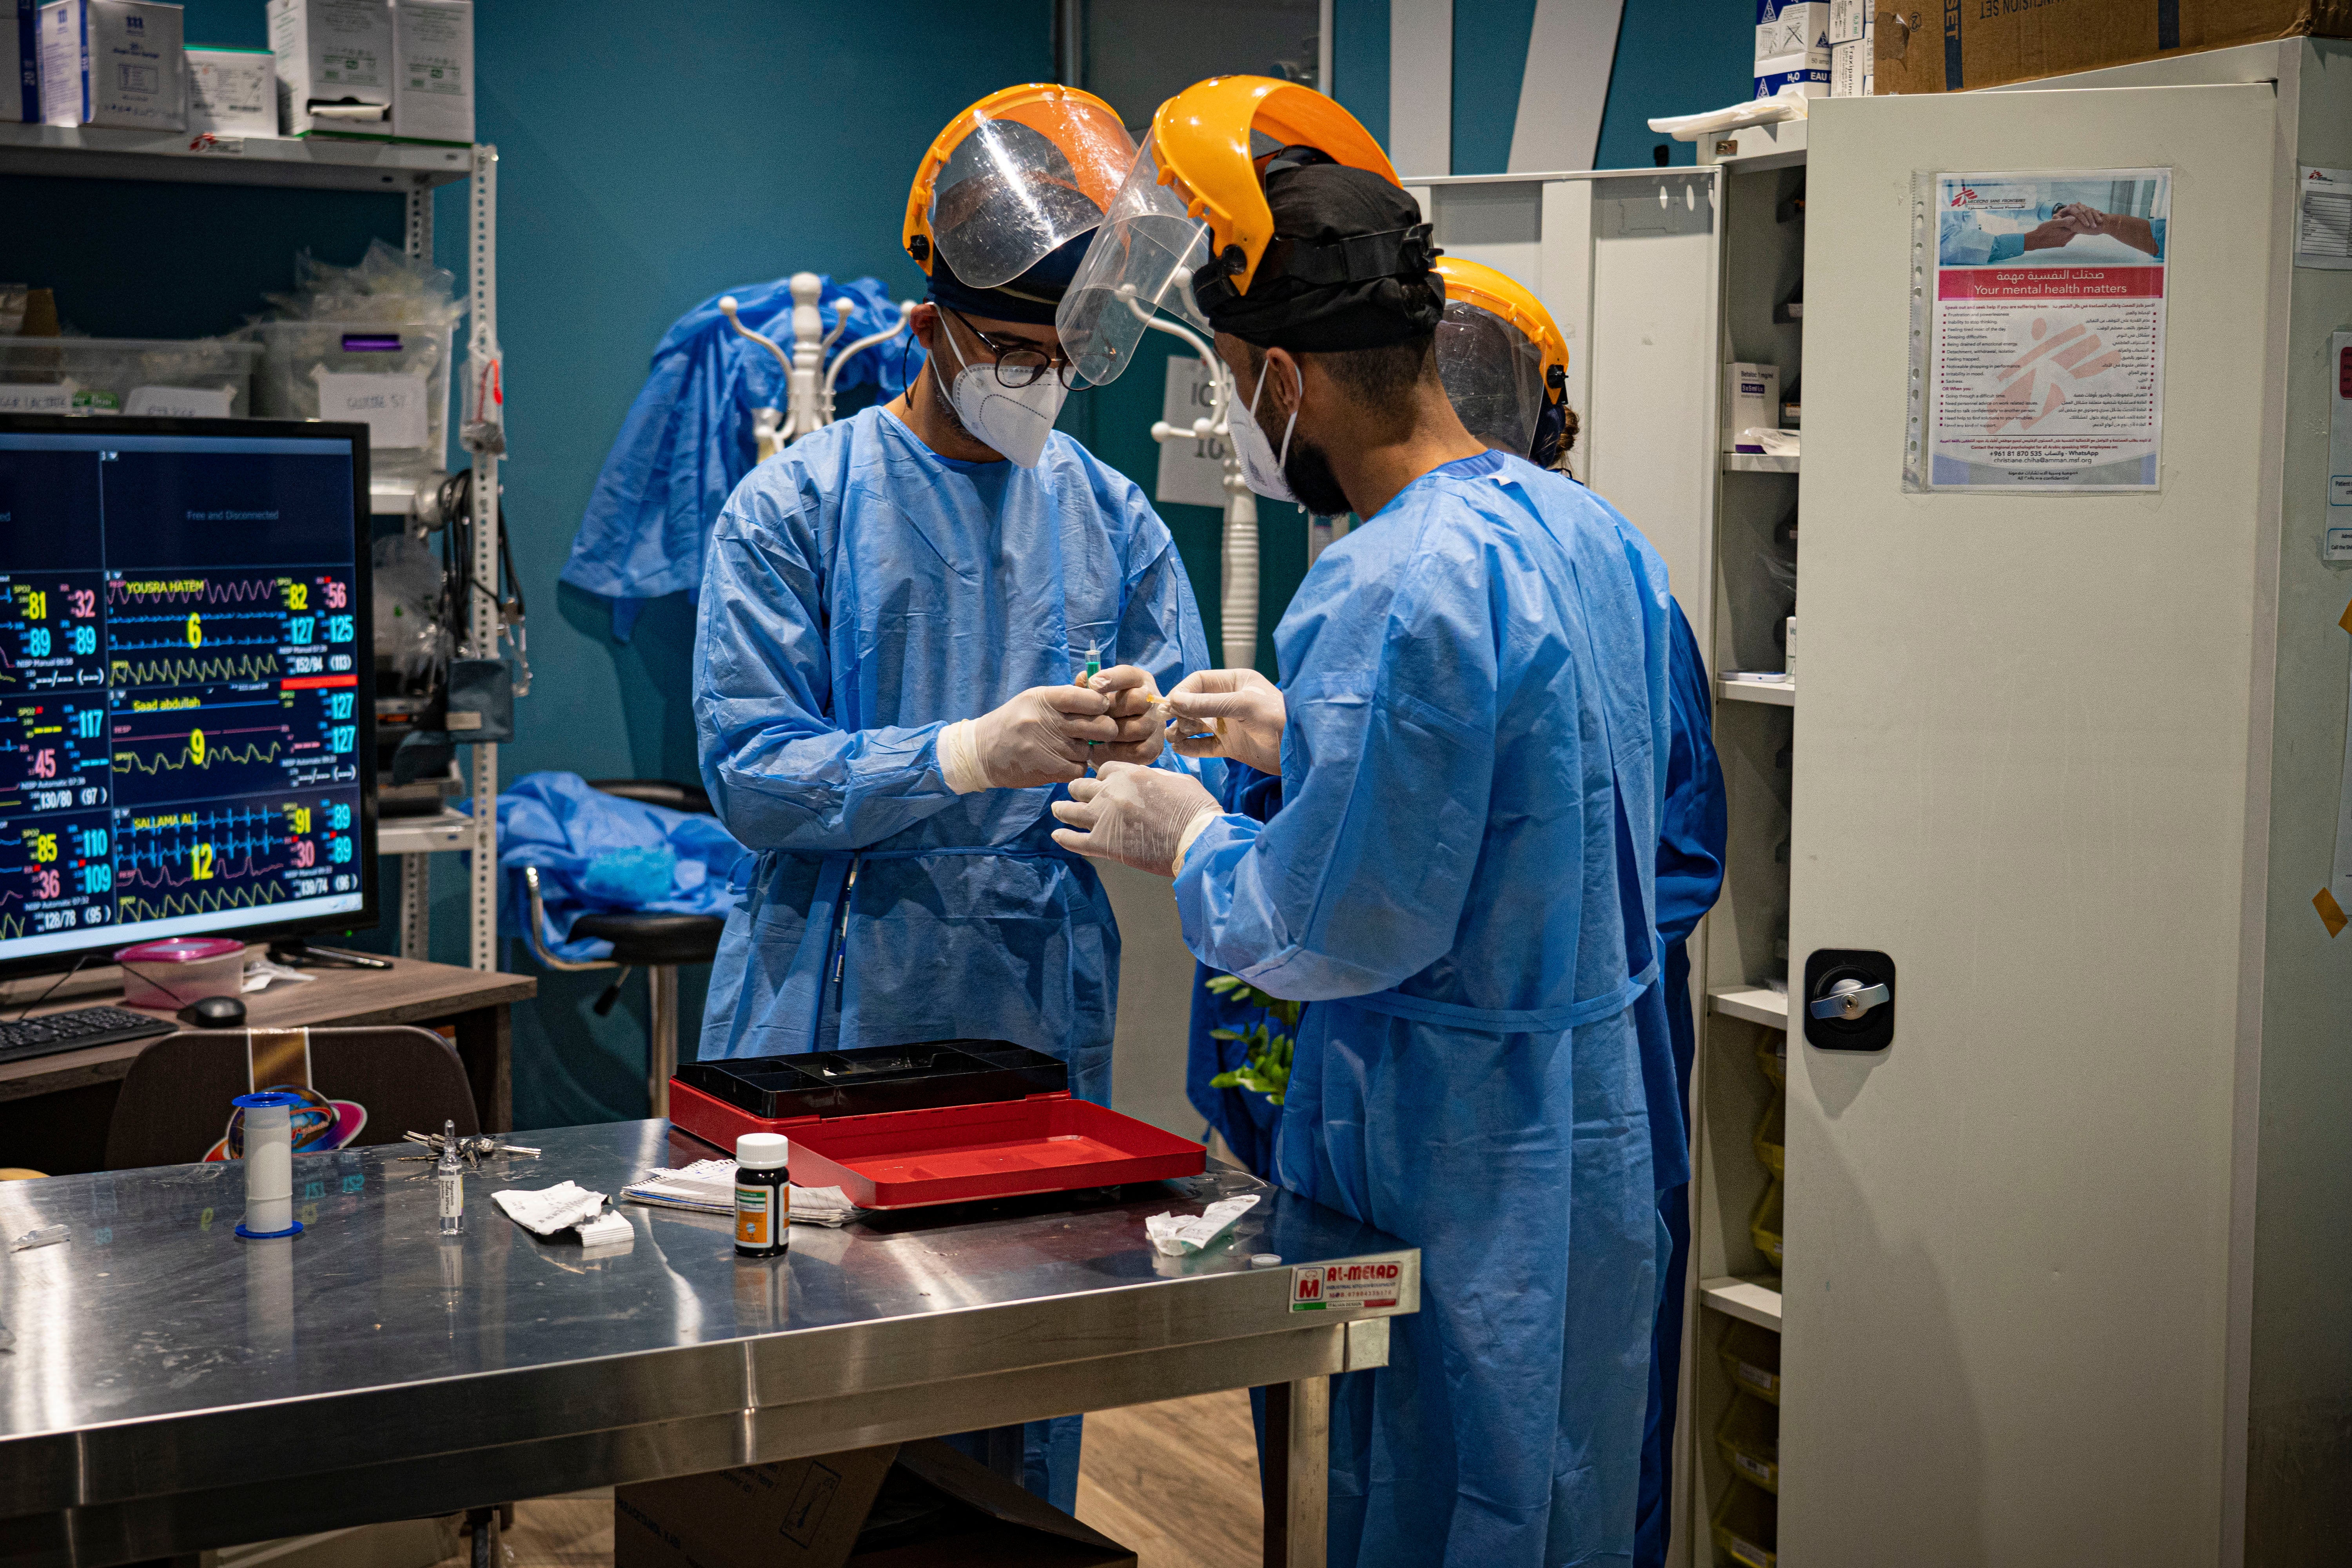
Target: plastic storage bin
<point x="1752" y="1358"/>
<point x="395" y="379"/>
<point x="165" y="976"/>
<point x="128" y="375"/>
<point x="1747" y="1526"/>
<point x="1772" y="1136"/>
<point x="1765" y="1226"/>
<point x="1749" y="1438"/>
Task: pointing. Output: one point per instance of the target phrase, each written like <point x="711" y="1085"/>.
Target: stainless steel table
<point x="174" y="1387"/>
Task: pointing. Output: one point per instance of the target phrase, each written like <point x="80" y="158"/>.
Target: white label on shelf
<point x="392" y="405"/>
<point x="19" y="397"/>
<point x="182" y="402"/>
<point x="1343" y="1287"/>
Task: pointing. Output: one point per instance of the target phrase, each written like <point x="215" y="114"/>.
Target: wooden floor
<point x="1176" y="1481"/>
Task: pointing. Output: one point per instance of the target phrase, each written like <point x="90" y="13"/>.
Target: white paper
<point x="2048" y="341"/>
<point x="1191" y="473"/>
<point x="182" y="402"/>
<point x="1174" y="1235"/>
<point x="550" y="1209"/>
<point x="2323" y="219"/>
<point x="21" y="397"/>
<point x="392" y="405"/>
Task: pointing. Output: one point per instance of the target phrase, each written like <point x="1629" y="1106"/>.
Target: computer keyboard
<point x="77" y="1030"/>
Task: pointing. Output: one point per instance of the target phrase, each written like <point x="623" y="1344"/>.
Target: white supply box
<point x="1850" y="69"/>
<point x="1849" y="21"/>
<point x="233" y="92"/>
<point x="433" y="75"/>
<point x="1785" y="27"/>
<point x="334" y="67"/>
<point x="1751" y="401"/>
<point x="20" y="61"/>
<point x="112" y="63"/>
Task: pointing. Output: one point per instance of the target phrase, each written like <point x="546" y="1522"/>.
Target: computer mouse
<point x="214" y="1012"/>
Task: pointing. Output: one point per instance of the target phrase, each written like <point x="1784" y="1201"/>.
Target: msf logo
<point x="1964" y="195"/>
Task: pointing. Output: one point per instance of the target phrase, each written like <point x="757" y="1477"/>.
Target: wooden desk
<point x="54" y="1110"/>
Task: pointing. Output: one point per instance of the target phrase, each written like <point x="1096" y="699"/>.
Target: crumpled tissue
<point x="1176" y="1237"/>
<point x="559" y="1207"/>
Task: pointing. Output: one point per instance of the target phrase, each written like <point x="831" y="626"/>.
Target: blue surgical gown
<point x="1461" y="878"/>
<point x="688" y="438"/>
<point x="1690" y="875"/>
<point x="861" y="592"/>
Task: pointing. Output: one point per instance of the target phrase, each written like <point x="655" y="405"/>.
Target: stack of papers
<point x="708" y="1186"/>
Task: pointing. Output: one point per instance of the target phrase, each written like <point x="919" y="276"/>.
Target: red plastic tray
<point x="908" y="1159"/>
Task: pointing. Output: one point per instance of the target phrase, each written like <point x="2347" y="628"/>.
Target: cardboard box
<point x="112" y="63"/>
<point x="433" y="72"/>
<point x="233" y="92"/>
<point x="1959" y="45"/>
<point x="940" y="1509"/>
<point x="1751" y="400"/>
<point x="20" y="61"/>
<point x="334" y="67"/>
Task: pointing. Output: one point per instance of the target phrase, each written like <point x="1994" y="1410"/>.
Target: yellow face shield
<point x="1501" y="356"/>
<point x="1194" y="201"/>
<point x="1013" y="179"/>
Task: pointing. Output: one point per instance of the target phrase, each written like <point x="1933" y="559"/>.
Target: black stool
<point x="655" y="943"/>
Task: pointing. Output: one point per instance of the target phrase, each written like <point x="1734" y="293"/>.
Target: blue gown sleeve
<point x="1390" y="740"/>
<point x="780" y="774"/>
<point x="1692" y="831"/>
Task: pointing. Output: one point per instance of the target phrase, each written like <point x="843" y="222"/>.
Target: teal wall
<point x="1673" y="56"/>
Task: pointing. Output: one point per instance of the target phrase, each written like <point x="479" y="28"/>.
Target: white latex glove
<point x="1138" y="816"/>
<point x="1040" y="737"/>
<point x="1250" y="706"/>
<point x="1137" y="709"/>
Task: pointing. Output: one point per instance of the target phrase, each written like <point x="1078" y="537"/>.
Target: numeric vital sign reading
<point x="180" y="691"/>
<point x="175" y="744"/>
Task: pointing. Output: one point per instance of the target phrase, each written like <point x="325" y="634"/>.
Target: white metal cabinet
<point x="2067" y="760"/>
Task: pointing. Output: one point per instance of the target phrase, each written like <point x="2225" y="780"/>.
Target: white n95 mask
<point x="1261" y="464"/>
<point x="1013" y="420"/>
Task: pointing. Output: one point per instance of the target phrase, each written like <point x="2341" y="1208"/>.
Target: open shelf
<point x="1751" y="1300"/>
<point x="1778" y="694"/>
<point x="424" y="834"/>
<point x="92" y="154"/>
<point x="1754" y="1003"/>
<point x="1757" y="463"/>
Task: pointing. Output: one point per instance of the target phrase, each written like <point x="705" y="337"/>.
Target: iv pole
<point x="1237" y="596"/>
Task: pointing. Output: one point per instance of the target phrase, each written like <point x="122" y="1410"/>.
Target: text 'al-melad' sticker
<point x="1344" y="1286"/>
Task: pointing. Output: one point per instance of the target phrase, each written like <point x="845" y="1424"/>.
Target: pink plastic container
<point x="167" y="975"/>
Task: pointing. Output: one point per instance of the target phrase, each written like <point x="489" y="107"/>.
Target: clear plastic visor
<point x="1493" y="374"/>
<point x="1017" y="190"/>
<point x="1143" y="260"/>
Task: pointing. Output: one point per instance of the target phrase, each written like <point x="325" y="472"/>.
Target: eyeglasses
<point x="1019" y="362"/>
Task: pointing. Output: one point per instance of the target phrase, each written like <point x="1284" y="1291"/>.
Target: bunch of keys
<point x="473" y="1150"/>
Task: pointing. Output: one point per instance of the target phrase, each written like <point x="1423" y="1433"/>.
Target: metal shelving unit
<point x="413" y="172"/>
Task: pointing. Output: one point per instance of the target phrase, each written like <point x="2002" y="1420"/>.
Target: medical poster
<point x="2047" y="371"/>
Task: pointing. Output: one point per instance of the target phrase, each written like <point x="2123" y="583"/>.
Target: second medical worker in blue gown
<point x="1471" y="730"/>
<point x="895" y="613"/>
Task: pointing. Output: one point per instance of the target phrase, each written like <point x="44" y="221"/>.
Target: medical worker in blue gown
<point x="888" y="674"/>
<point x="1471" y="731"/>
<point x="1504" y="364"/>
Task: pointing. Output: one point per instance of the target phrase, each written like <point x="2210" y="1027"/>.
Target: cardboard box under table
<point x="936" y="1122"/>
